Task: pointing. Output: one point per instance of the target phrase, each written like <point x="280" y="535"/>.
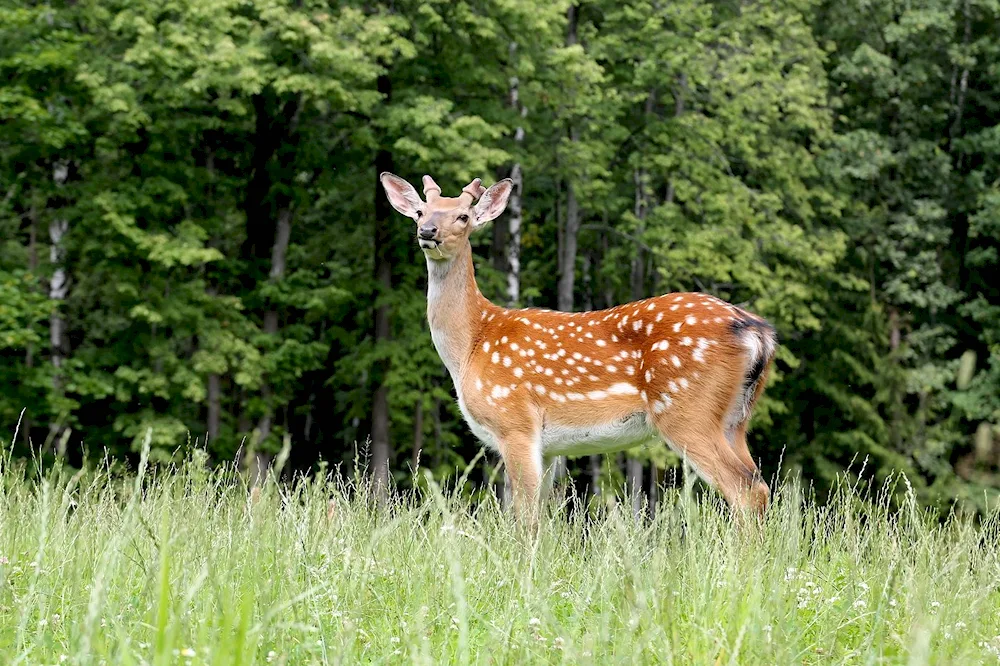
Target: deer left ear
<point x="493" y="202"/>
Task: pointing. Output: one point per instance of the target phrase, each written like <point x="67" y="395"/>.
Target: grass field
<point x="183" y="566"/>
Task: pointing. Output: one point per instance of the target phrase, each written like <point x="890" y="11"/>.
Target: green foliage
<point x="832" y="166"/>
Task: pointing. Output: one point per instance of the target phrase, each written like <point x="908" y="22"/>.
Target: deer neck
<point x="454" y="308"/>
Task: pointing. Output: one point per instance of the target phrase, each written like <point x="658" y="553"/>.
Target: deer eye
<point x="462" y="218"/>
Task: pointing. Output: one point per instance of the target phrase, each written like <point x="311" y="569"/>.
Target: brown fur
<point x="686" y="361"/>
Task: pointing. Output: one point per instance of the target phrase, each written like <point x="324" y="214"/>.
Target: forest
<point x="194" y="245"/>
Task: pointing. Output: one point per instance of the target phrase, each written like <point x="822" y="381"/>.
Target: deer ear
<point x="401" y="194"/>
<point x="493" y="202"/>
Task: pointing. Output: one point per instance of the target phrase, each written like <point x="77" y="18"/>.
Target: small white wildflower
<point x="809" y="583"/>
<point x="188" y="652"/>
<point x="892" y="602"/>
<point x="720" y="583"/>
<point x="863" y="586"/>
<point x="271" y="656"/>
<point x="56" y="617"/>
<point x="790" y="573"/>
<point x="832" y="600"/>
<point x="934" y="606"/>
<point x="586" y="653"/>
<point x="394" y="640"/>
<point x="43" y="622"/>
<point x="397" y="652"/>
<point x="558" y="641"/>
<point x="947" y="634"/>
<point x="860" y="603"/>
<point x="960" y="625"/>
<point x="4" y="560"/>
<point x="534" y="622"/>
<point x="565" y="595"/>
<point x="63" y="658"/>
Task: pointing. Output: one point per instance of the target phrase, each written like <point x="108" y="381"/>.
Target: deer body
<point x="535" y="383"/>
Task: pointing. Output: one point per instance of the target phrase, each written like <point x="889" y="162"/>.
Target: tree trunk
<point x="58" y="288"/>
<point x="279" y="253"/>
<point x="514" y="207"/>
<point x="633" y="485"/>
<point x="571" y="230"/>
<point x="418" y="433"/>
<point x="380" y="445"/>
<point x="214" y="419"/>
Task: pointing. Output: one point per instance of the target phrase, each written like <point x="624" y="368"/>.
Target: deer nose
<point x="427" y="233"/>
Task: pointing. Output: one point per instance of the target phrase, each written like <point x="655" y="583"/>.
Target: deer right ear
<point x="401" y="194"/>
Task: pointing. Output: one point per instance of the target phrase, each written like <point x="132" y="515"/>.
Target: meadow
<point x="183" y="565"/>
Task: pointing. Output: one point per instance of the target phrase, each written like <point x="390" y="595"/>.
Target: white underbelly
<point x="618" y="435"/>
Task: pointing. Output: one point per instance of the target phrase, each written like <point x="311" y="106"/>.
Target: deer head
<point x="444" y="223"/>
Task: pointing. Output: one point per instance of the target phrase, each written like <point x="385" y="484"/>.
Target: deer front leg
<point x="522" y="455"/>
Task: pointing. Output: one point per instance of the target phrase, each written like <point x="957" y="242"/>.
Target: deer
<point x="534" y="383"/>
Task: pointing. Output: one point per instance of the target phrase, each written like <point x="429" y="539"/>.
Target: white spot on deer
<point x="689" y="305"/>
<point x="540" y="389"/>
<point x="548" y="372"/>
<point x="704" y="321"/>
<point x="683" y="382"/>
<point x="565" y="372"/>
<point x="506" y="361"/>
<point x="514" y="346"/>
<point x="518" y="372"/>
<point x="686" y="341"/>
<point x="598" y="362"/>
<point x="579" y="329"/>
<point x="577" y="355"/>
<point x="690" y="321"/>
<point x="673" y="386"/>
<point x="486" y="346"/>
<point x="531" y="352"/>
<point x="651" y="306"/>
<point x="479" y="384"/>
<point x="614" y="338"/>
<point x="630" y="370"/>
<point x="483" y="315"/>
<point x="649" y="329"/>
<point x="612" y="368"/>
<point x="490" y="318"/>
<point x="678" y="298"/>
<point x="570" y="361"/>
<point x="637" y="325"/>
<point x="591" y="322"/>
<point x="496" y="357"/>
<point x="557" y="397"/>
<point x="676" y="361"/>
<point x="522" y="353"/>
<point x="540" y="344"/>
<point x="589" y="335"/>
<point x="623" y="388"/>
<point x="559" y="381"/>
<point x="504" y="339"/>
<point x="649" y="375"/>
<point x="667" y="400"/>
<point x="592" y="378"/>
<point x="624" y="321"/>
<point x="602" y="343"/>
<point x="561" y="352"/>
<point x="536" y="326"/>
<point x="497" y="391"/>
<point x="658" y="406"/>
<point x="597" y="395"/>
<point x="698" y="355"/>
<point x="677" y="327"/>
<point x="673" y="307"/>
<point x="642" y="394"/>
<point x="560" y="327"/>
<point x="659" y="317"/>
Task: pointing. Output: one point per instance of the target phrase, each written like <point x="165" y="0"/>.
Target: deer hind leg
<point x="717" y="463"/>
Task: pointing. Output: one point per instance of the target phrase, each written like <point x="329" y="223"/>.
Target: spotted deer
<point x="534" y="384"/>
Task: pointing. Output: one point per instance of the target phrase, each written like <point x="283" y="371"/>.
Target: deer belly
<point x="560" y="439"/>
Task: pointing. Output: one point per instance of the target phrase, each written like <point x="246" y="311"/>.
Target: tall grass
<point x="185" y="566"/>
